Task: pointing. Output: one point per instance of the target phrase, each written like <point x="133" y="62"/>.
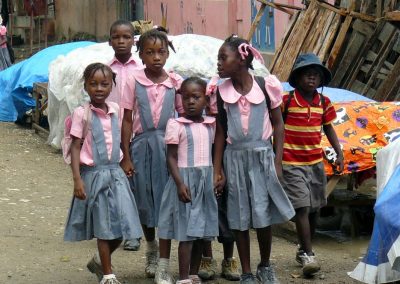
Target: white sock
<point x="108" y="276"/>
<point x="163" y="264"/>
<point x="152" y="246"/>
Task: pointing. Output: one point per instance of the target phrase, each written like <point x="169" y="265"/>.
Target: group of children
<point x="154" y="157"/>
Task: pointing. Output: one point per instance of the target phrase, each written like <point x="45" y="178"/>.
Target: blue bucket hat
<point x="306" y="60"/>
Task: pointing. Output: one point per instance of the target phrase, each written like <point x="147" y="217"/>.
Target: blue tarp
<point x="335" y="94"/>
<point x="16" y="82"/>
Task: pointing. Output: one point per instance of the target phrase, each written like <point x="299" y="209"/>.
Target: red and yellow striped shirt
<point x="302" y="143"/>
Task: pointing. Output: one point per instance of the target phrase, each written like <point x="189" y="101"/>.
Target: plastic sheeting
<point x="196" y="55"/>
<point x="16" y="82"/>
<point x="381" y="264"/>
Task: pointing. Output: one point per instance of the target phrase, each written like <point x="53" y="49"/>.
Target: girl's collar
<point x="231" y="96"/>
<point x="207" y="120"/>
<point x="170" y="82"/>
<point x="112" y="108"/>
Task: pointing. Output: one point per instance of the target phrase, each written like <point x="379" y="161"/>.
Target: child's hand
<point x="79" y="189"/>
<point x="127" y="166"/>
<point x="278" y="169"/>
<point x="219" y="183"/>
<point x="339" y="163"/>
<point x="184" y="194"/>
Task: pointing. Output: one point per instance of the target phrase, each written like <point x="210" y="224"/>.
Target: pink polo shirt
<point x="176" y="134"/>
<point x="155" y="93"/>
<point x="86" y="155"/>
<point x="122" y="70"/>
<point x="255" y="96"/>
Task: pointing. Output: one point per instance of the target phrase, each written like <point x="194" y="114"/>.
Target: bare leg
<point x="243" y="246"/>
<point x="165" y="248"/>
<point x="228" y="249"/>
<point x="106" y="248"/>
<point x="196" y="257"/>
<point x="303" y="229"/>
<point x="207" y="249"/>
<point x="312" y="218"/>
<point x="264" y="236"/>
<point x="184" y="258"/>
<point x="149" y="233"/>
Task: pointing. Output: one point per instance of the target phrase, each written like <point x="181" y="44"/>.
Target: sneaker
<point x="132" y="245"/>
<point x="151" y="263"/>
<point x="163" y="277"/>
<point x="95" y="268"/>
<point x="298" y="253"/>
<point x="111" y="279"/>
<point x="184" y="281"/>
<point x="310" y="264"/>
<point x="230" y="269"/>
<point x="208" y="268"/>
<point x="195" y="279"/>
<point x="248" y="278"/>
<point x="266" y="275"/>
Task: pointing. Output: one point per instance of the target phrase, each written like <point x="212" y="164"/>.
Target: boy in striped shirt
<point x="305" y="113"/>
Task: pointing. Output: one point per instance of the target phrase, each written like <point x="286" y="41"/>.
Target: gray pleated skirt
<point x="109" y="211"/>
<point x="149" y="158"/>
<point x="255" y="199"/>
<point x="5" y="60"/>
<point x="197" y="219"/>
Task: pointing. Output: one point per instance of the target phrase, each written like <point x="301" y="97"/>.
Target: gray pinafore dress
<point x="255" y="197"/>
<point x="149" y="156"/>
<point x="109" y="211"/>
<point x="197" y="219"/>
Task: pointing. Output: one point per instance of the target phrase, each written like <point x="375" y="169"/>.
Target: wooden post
<point x="31" y="30"/>
<point x="256" y="21"/>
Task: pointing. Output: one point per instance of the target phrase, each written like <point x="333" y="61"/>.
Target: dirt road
<point x="36" y="190"/>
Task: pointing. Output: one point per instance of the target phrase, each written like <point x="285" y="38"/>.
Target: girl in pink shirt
<point x="189" y="210"/>
<point x="103" y="205"/>
<point x="255" y="197"/>
<point x="152" y="101"/>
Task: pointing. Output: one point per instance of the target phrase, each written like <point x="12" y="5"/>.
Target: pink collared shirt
<point x="176" y="134"/>
<point x="155" y="93"/>
<point x="255" y="96"/>
<point x="122" y="70"/>
<point x="86" y="155"/>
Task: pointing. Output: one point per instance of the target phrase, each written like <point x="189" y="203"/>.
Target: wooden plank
<point x="332" y="8"/>
<point x="320" y="21"/>
<point x="294" y="46"/>
<point x="337" y="46"/>
<point x="392" y="16"/>
<point x="331" y="184"/>
<point x="330" y="36"/>
<point x="362" y="16"/>
<point x="273" y="5"/>
<point x="378" y="12"/>
<point x="256" y="21"/>
<point x="289" y="6"/>
<point x="381" y="58"/>
<point x="383" y="91"/>
<point x="283" y="41"/>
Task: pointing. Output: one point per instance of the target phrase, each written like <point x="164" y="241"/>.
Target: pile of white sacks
<point x="196" y="55"/>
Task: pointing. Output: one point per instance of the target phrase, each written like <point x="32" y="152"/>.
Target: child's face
<point x="193" y="99"/>
<point x="154" y="54"/>
<point x="121" y="40"/>
<point x="99" y="87"/>
<point x="228" y="61"/>
<point x="309" y="79"/>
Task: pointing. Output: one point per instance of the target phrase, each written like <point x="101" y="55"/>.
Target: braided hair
<point x="194" y="80"/>
<point x="234" y="42"/>
<point x="153" y="34"/>
<point x="93" y="68"/>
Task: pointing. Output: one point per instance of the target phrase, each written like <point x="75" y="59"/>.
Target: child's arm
<point x="332" y="137"/>
<point x="172" y="160"/>
<point x="79" y="189"/>
<point x="126" y="135"/>
<point x="219" y="143"/>
<point x="279" y="129"/>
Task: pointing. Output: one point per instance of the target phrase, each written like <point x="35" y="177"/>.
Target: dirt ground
<point x="36" y="190"/>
